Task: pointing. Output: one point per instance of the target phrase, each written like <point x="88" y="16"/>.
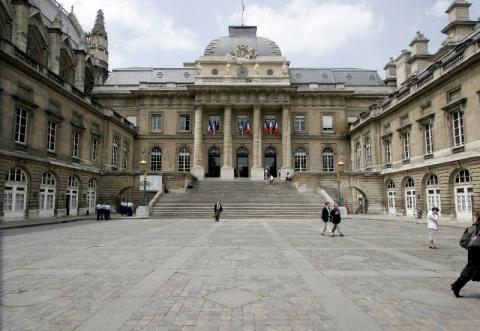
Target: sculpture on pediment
<point x="245" y="52"/>
<point x="285" y="69"/>
<point x="256" y="69"/>
<point x="199" y="68"/>
<point x="228" y="69"/>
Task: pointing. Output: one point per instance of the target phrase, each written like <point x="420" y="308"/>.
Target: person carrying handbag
<point x="471" y="241"/>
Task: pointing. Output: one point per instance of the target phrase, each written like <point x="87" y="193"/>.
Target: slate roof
<point x="49" y="9"/>
<point x="347" y="76"/>
<point x="133" y="76"/>
<point x="298" y="76"/>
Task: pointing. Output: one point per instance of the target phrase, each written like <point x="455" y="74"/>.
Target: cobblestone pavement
<point x="247" y="275"/>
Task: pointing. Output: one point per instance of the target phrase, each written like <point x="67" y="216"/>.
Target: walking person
<point x="98" y="209"/>
<point x="326" y="215"/>
<point x="336" y="218"/>
<point x="217" y="210"/>
<point x="123" y="208"/>
<point x="130" y="209"/>
<point x="432" y="225"/>
<point x="471" y="241"/>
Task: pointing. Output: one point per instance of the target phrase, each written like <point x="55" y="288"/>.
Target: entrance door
<point x="214" y="162"/>
<point x="410" y="202"/>
<point x="463" y="203"/>
<point x="271" y="161"/>
<point x="242" y="162"/>
<point x="15" y="194"/>
<point x="72" y="202"/>
<point x="392" y="210"/>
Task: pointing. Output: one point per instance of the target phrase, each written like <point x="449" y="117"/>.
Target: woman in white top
<point x="432" y="224"/>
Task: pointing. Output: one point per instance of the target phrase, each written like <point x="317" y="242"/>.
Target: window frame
<point x="428" y="138"/>
<point x="180" y="116"/>
<point x="328" y="159"/>
<point x="52" y="138"/>
<point x="406" y="151"/>
<point x="76" y="144"/>
<point x="299" y="130"/>
<point x="461" y="128"/>
<point x="18" y="125"/>
<point x="161" y="116"/>
<point x="332" y="129"/>
<point x="115" y="146"/>
<point x="300" y="159"/>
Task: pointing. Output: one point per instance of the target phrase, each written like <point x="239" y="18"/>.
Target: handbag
<point x="474" y="240"/>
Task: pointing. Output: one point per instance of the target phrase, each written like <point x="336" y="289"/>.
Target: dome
<point x="242" y="36"/>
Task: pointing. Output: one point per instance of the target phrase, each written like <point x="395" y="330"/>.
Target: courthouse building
<point x="72" y="133"/>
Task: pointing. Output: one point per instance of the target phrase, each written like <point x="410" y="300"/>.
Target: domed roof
<point x="242" y="36"/>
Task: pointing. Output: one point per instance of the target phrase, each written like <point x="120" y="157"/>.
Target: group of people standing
<point x="103" y="211"/>
<point x="332" y="215"/>
<point x="126" y="208"/>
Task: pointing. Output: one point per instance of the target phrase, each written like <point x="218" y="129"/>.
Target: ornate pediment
<point x="244" y="52"/>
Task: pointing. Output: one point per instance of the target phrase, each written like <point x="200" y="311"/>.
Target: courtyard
<point x="264" y="274"/>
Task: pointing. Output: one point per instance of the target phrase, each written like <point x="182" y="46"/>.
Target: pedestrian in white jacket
<point x="432" y="224"/>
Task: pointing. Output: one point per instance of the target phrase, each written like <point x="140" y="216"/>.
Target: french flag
<point x="247" y="128"/>
<point x="276" y="130"/>
<point x="265" y="127"/>
<point x="210" y="128"/>
<point x="270" y="127"/>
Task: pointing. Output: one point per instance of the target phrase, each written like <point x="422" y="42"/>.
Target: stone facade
<point x="71" y="131"/>
<point x="426" y="130"/>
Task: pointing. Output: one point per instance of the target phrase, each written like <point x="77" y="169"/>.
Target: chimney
<point x="420" y="56"/>
<point x="403" y="67"/>
<point x="459" y="23"/>
<point x="391" y="73"/>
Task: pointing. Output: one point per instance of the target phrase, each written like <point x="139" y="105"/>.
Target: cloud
<point x="135" y="28"/>
<point x="438" y="8"/>
<point x="304" y="26"/>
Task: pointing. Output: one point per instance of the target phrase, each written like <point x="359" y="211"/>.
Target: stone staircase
<point x="241" y="198"/>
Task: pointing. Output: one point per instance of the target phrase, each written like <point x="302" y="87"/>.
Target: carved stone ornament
<point x="257" y="69"/>
<point x="245" y="52"/>
<point x="199" y="68"/>
<point x="228" y="69"/>
<point x="285" y="69"/>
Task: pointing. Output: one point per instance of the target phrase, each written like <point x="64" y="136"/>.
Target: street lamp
<point x="340" y="165"/>
<point x="143" y="166"/>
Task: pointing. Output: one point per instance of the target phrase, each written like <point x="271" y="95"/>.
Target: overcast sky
<point x="310" y="33"/>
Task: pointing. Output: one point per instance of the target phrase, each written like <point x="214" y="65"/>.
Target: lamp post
<point x="340" y="165"/>
<point x="143" y="166"/>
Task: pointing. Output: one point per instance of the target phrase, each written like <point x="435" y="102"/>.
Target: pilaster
<point x="227" y="169"/>
<point x="286" y="143"/>
<point x="198" y="170"/>
<point x="257" y="169"/>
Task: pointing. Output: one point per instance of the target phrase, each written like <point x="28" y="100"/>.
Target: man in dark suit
<point x="217" y="209"/>
<point x="326" y="217"/>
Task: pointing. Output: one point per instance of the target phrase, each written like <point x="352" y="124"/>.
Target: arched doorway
<point x="47" y="195"/>
<point x="271" y="161"/>
<point x="92" y="195"/>
<point x="15" y="194"/>
<point x="463" y="196"/>
<point x="71" y="201"/>
<point x="433" y="192"/>
<point x="214" y="162"/>
<point x="392" y="210"/>
<point x="242" y="162"/>
<point x="410" y="197"/>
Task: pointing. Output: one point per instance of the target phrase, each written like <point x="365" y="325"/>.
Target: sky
<point x="310" y="33"/>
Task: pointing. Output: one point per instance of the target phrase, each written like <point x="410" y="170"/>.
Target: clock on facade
<point x="242" y="72"/>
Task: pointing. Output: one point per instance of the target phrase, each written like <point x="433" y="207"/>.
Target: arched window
<point x="66" y="67"/>
<point x="156" y="159"/>
<point x="410" y="197"/>
<point x="368" y="153"/>
<point x="358" y="156"/>
<point x="433" y="192"/>
<point x="391" y="194"/>
<point x="36" y="48"/>
<point x="300" y="159"/>
<point x="72" y="195"/>
<point x="92" y="184"/>
<point x="47" y="195"/>
<point x="15" y="194"/>
<point x="327" y="159"/>
<point x="184" y="160"/>
<point x="462" y="177"/>
<point x="463" y="195"/>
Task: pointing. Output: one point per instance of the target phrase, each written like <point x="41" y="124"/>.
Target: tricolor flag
<point x="241" y="127"/>
<point x="265" y="127"/>
<point x="210" y="128"/>
<point x="247" y="128"/>
<point x="217" y="126"/>
<point x="270" y="127"/>
<point x="276" y="130"/>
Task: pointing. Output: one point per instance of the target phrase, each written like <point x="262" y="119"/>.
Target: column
<point x="257" y="169"/>
<point x="227" y="169"/>
<point x="20" y="24"/>
<point x="286" y="143"/>
<point x="197" y="170"/>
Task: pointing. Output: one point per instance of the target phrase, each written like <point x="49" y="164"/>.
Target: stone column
<point x="80" y="56"/>
<point x="257" y="169"/>
<point x="286" y="143"/>
<point x="227" y="169"/>
<point x="197" y="170"/>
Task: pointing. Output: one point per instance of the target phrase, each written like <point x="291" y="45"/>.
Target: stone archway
<point x="363" y="195"/>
